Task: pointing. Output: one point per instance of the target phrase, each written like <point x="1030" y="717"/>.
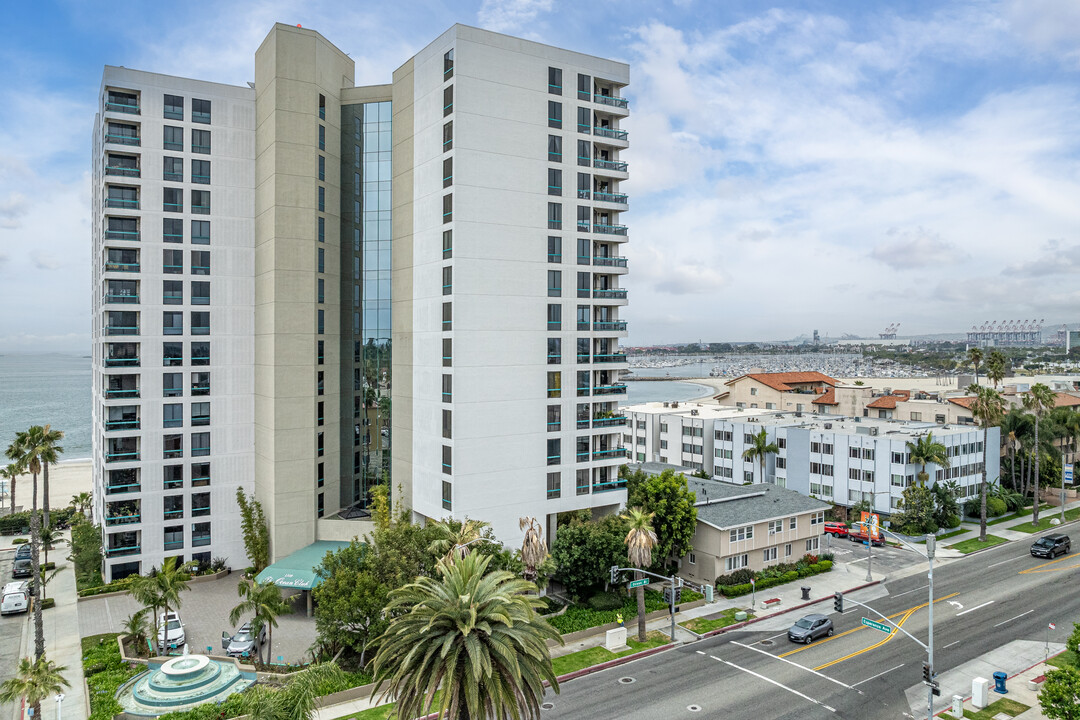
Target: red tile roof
<point x="964" y="402"/>
<point x="829" y="398"/>
<point x="888" y="402"/>
<point x="1066" y="400"/>
<point x="783" y="381"/>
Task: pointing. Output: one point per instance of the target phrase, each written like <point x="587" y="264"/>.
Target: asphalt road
<point x="982" y="603"/>
<point x="11" y="631"/>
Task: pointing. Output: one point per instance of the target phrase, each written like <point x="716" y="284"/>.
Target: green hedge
<point x="105" y="672"/>
<point x="730" y="591"/>
<point x="20" y="541"/>
<point x="118" y="586"/>
<point x="581" y="617"/>
<point x="19" y="523"/>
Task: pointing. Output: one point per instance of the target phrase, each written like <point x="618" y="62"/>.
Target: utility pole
<point x="1062" y="487"/>
<point x="931" y="541"/>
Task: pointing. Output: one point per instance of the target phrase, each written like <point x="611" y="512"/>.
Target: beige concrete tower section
<point x="401" y="467"/>
<point x="293" y="66"/>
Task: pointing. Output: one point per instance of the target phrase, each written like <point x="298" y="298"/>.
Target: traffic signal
<point x="838" y="602"/>
<point x="926" y="672"/>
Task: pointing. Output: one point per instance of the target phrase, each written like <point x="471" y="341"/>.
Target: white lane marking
<point x="700" y="652"/>
<point x="974" y="608"/>
<point x="773" y="637"/>
<point x="774" y="682"/>
<point x="789" y="662"/>
<point x="1014" y="618"/>
<point x="957" y="642"/>
<point x="879" y="675"/>
<point x="956" y="605"/>
<point x="908" y="592"/>
<point x="1018" y="557"/>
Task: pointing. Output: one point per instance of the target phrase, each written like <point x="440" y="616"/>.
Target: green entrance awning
<point x="298" y="569"/>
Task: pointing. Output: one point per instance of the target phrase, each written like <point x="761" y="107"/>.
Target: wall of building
<point x="712" y="546"/>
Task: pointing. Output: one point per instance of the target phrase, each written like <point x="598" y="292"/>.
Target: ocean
<point x="49" y="389"/>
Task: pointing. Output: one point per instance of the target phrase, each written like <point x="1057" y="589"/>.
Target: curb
<point x="736" y="626"/>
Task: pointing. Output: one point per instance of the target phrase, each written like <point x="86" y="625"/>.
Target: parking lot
<point x="205" y="609"/>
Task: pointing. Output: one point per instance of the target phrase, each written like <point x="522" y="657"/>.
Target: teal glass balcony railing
<point x="604" y="229"/>
<point x="200" y="117"/>
<point x="201" y="179"/>
<point x="122" y="139"/>
<point x="616" y="165"/>
<point x="200" y="511"/>
<point x="121" y="234"/>
<point x="618" y="198"/>
<point x="609" y="390"/>
<point x="121" y="362"/>
<point x="123" y="519"/>
<point x="583" y="225"/>
<point x="170" y="145"/>
<point x="200" y="239"/>
<point x="122" y="203"/>
<point x="122" y="171"/>
<point x="174" y="514"/>
<point x="122" y="425"/>
<point x="202" y="481"/>
<point x="608" y="453"/>
<point x="171" y="454"/>
<point x="616" y="484"/>
<point x="122" y="299"/>
<point x="200" y="209"/>
<point x="122" y="330"/>
<point x="200" y="329"/>
<point x="122" y="108"/>
<point x="611" y="100"/>
<point x="173" y="176"/>
<point x="200" y="389"/>
<point x="610" y="133"/>
<point x="582" y="424"/>
<point x="120" y="489"/>
<point x="618" y="262"/>
<point x="610" y="325"/>
<point x="172" y="207"/>
<point x="199" y="420"/>
<point x="610" y="294"/>
<point x="174" y="544"/>
<point x="122" y="393"/>
<point x="120" y="551"/>
<point x="582" y="456"/>
<point x="609" y="422"/>
<point x="204" y="149"/>
<point x="121" y="267"/>
<point x="611" y="358"/>
<point x="121" y="457"/>
<point x="200" y="540"/>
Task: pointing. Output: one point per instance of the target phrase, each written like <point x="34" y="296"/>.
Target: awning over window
<point x="298" y="569"/>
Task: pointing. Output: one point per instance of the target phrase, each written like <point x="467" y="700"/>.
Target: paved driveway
<point x="11" y="632"/>
<point x="205" y="609"/>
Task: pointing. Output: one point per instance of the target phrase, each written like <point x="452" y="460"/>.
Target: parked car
<point x="15" y="598"/>
<point x="810" y="628"/>
<point x="858" y="534"/>
<point x="170" y="632"/>
<point x="244" y="643"/>
<point x="1051" y="546"/>
<point x="837" y="529"/>
<point x="22" y="567"/>
<point x="23" y="551"/>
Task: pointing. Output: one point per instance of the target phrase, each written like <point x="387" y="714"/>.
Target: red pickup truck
<point x="858" y="534"/>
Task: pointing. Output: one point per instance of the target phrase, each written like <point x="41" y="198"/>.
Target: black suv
<point x="1051" y="546"/>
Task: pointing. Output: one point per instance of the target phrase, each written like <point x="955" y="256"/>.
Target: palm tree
<point x="170" y="581"/>
<point x="474" y="634"/>
<point x="46" y="578"/>
<point x="996" y="367"/>
<point x="987" y="407"/>
<point x="80" y="502"/>
<point x="1015" y="426"/>
<point x="50" y="451"/>
<point x="264" y="602"/>
<point x="640" y="541"/>
<point x="135" y="628"/>
<point x="145" y="591"/>
<point x="294" y="701"/>
<point x="454" y="537"/>
<point x="1039" y="400"/>
<point x="34" y="682"/>
<point x="11" y="472"/>
<point x="27" y="451"/>
<point x="975" y="356"/>
<point x="48" y="537"/>
<point x="533" y="549"/>
<point x="761" y="449"/>
<point x="926" y="451"/>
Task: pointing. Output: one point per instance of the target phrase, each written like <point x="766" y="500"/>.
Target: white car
<point x="15" y="598"/>
<point x="170" y="631"/>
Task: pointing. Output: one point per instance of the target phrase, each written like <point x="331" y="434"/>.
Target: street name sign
<point x="876" y="625"/>
<point x="639" y="583"/>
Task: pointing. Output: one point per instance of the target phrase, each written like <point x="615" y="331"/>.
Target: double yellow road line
<point x="1038" y="568"/>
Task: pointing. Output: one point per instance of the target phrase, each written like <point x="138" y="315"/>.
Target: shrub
<point x="771" y="578"/>
<point x="995" y="507"/>
<point x="48" y="603"/>
<point x="607" y="601"/>
<point x="952" y="521"/>
<point x="20" y="541"/>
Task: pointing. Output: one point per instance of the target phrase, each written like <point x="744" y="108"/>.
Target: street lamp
<point x="59" y="704"/>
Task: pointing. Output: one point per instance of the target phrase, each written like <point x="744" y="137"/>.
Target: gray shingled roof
<point x="747" y="504"/>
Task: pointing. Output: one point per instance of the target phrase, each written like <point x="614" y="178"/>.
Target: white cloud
<point x="11" y="209"/>
<point x="914" y="248"/>
<point x="511" y="16"/>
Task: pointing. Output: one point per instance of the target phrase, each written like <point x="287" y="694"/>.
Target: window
<point x="322" y="199"/>
<point x="769" y="554"/>
<point x="584" y="155"/>
<point x="447" y="465"/>
<point x="868" y="476"/>
<point x="172" y="353"/>
<point x="320" y="293"/>
<point x="826" y="449"/>
<point x="554" y="485"/>
<point x="200" y="323"/>
<point x="448" y="64"/>
<point x="446" y="496"/>
<point x="447" y="280"/>
<point x="200" y="504"/>
<point x="447" y="352"/>
<point x="200" y="414"/>
<point x="448" y="100"/>
<point x="200" y="142"/>
<point x="736" y="561"/>
<point x="554" y="216"/>
<point x="554" y="317"/>
<point x="172" y="169"/>
<point x="200" y="534"/>
<point x="554" y="384"/>
<point x="173" y="507"/>
<point x="584" y="87"/>
<point x="322" y="106"/>
<point x="554" y="451"/>
<point x="781" y="463"/>
<point x="200" y="353"/>
<point x="200" y="111"/>
<point x="817" y="518"/>
<point x="554" y="148"/>
<point x="854" y="452"/>
<point x="200" y="383"/>
<point x="172" y="199"/>
<point x="740" y="534"/>
<point x="173" y="138"/>
<point x="554" y="181"/>
<point x="776" y="526"/>
<point x="200" y="232"/>
<point x="200" y="444"/>
<point x="320" y="444"/>
<point x="448" y="136"/>
<point x="447" y="388"/>
<point x="172" y="293"/>
<point x="448" y="171"/>
<point x="812" y="544"/>
<point x="792" y="523"/>
<point x="320" y="382"/>
<point x="584" y="216"/>
<point x="554" y="283"/>
<point x="174" y="107"/>
<point x="447" y="424"/>
<point x="172" y="323"/>
<point x="554" y="114"/>
<point x="868" y="453"/>
<point x="173" y="477"/>
<point x="554" y="351"/>
<point x="200" y="293"/>
<point x="200" y="172"/>
<point x="584" y="120"/>
<point x="447" y="316"/>
<point x="898" y="458"/>
<point x="172" y="414"/>
<point x="200" y="202"/>
<point x="554" y="418"/>
<point x="322" y="137"/>
<point x="172" y="446"/>
<point x="555" y="81"/>
<point x="321" y="230"/>
<point x="448" y="207"/>
<point x="897" y="481"/>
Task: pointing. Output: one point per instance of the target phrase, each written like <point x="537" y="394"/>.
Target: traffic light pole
<point x="615" y="570"/>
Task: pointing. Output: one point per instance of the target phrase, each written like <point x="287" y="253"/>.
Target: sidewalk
<point x="1002" y="529"/>
<point x="1018" y="691"/>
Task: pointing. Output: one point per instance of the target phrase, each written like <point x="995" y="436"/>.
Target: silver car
<point x="810" y="628"/>
<point x="244" y="643"/>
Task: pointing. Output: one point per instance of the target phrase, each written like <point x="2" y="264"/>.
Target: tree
<point x="144" y="589"/>
<point x="1060" y="694"/>
<point x="946" y="508"/>
<point x="634" y="481"/>
<point x="48" y="536"/>
<point x="1038" y="400"/>
<point x="47" y="577"/>
<point x="474" y="634"/>
<point x="453" y="537"/>
<point x="996" y="367"/>
<point x="917" y="511"/>
<point x="169" y="582"/>
<point x="760" y="450"/>
<point x="50" y="452"/>
<point x="668" y="498"/>
<point x="1016" y="425"/>
<point x="975" y="356"/>
<point x="135" y="628"/>
<point x="640" y="541"/>
<point x="350" y="601"/>
<point x="33" y="682"/>
<point x="28" y="451"/>
<point x="81" y="502"/>
<point x="254" y="531"/>
<point x="86" y="554"/>
<point x="264" y="603"/>
<point x="926" y="451"/>
<point x="533" y="549"/>
<point x="584" y="552"/>
<point x="297" y="699"/>
<point x="10" y="473"/>
<point x="987" y="407"/>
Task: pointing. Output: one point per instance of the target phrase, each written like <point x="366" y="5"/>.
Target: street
<point x="994" y="607"/>
<point x="11" y="631"/>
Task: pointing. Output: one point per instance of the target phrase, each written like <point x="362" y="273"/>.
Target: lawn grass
<point x="596" y="655"/>
<point x="970" y="546"/>
<point x="382" y="712"/>
<point x="1004" y="705"/>
<point x="954" y="533"/>
<point x="701" y="625"/>
<point x="1044" y="521"/>
<point x="1067" y="659"/>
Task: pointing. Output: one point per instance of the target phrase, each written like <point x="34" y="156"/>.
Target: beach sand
<point x="65" y="479"/>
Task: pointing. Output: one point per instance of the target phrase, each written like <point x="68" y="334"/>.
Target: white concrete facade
<point x="153" y="382"/>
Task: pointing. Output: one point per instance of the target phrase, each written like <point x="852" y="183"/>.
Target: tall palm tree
<point x="1039" y="400"/>
<point x="975" y="356"/>
<point x="474" y="634"/>
<point x="47" y="576"/>
<point x="50" y="452"/>
<point x="454" y="537"/>
<point x="996" y="367"/>
<point x="81" y="502"/>
<point x="640" y="541"/>
<point x="145" y="591"/>
<point x="27" y="451"/>
<point x="264" y="603"/>
<point x="927" y="451"/>
<point x="760" y="450"/>
<point x="1015" y="426"/>
<point x="48" y="537"/>
<point x="10" y="473"/>
<point x="34" y="682"/>
<point x="170" y="581"/>
<point x="987" y="407"/>
<point x="533" y="549"/>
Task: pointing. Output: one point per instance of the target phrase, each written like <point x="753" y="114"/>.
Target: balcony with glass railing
<point x="608" y="453"/>
<point x="613" y="165"/>
<point x="616" y="389"/>
<point x="616" y="198"/>
<point x="128" y="420"/>
<point x="118" y="139"/>
<point x="608" y="485"/>
<point x="121" y="298"/>
<point x="129" y="171"/>
<point x="111" y="234"/>
<point x="610" y="100"/>
<point x="609" y="325"/>
<point x="610" y="133"/>
<point x="609" y="294"/>
<point x="123" y="543"/>
<point x="122" y="203"/>
<point x="118" y="102"/>
<point x="121" y="355"/>
<point x="610" y="358"/>
<point x="122" y="513"/>
<point x="609" y="421"/>
<point x="122" y="449"/>
<point x="605" y="261"/>
<point x="606" y="229"/>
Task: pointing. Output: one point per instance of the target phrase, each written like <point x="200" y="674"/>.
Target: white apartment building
<point x="173" y="263"/>
<point x="843" y="460"/>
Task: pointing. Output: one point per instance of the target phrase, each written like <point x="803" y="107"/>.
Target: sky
<point x="827" y="165"/>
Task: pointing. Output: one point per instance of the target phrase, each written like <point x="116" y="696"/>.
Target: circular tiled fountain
<point x="181" y="683"/>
